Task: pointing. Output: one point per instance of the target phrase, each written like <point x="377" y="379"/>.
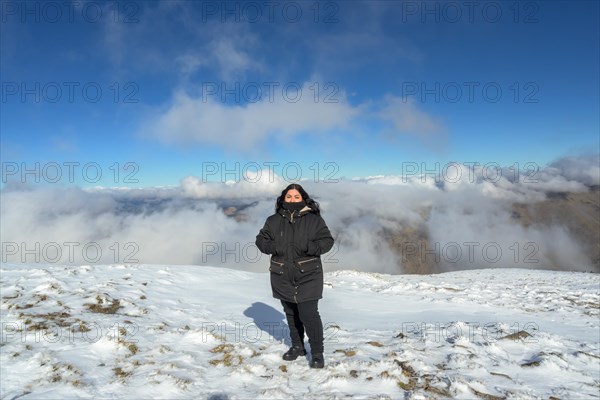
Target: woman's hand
<point x="304" y="247"/>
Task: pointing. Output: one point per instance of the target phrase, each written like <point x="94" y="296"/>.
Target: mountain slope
<point x="148" y="331"/>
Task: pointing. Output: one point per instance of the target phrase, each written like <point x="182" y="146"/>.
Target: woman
<point x="295" y="237"/>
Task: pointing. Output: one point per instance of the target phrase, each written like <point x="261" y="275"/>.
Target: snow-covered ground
<point x="158" y="331"/>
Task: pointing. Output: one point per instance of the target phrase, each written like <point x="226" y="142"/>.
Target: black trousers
<point x="304" y="316"/>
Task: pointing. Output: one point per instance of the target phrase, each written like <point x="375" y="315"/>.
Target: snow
<point x="159" y="331"/>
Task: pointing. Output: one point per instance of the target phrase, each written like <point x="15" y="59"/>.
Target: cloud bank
<point x="468" y="221"/>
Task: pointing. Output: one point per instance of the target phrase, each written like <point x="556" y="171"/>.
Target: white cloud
<point x="167" y="37"/>
<point x="190" y="62"/>
<point x="584" y="169"/>
<point x="174" y="225"/>
<point x="407" y="118"/>
<point x="252" y="184"/>
<point x="233" y="55"/>
<point x="281" y="114"/>
<point x="206" y="120"/>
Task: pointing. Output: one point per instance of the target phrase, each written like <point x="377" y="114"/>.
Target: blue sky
<point x="140" y="82"/>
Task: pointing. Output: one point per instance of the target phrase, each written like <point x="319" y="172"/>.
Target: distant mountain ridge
<point x="578" y="212"/>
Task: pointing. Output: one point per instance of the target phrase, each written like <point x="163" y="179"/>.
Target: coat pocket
<point x="276" y="267"/>
<point x="308" y="264"/>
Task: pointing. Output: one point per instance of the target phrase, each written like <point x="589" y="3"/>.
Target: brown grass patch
<point x="99" y="308"/>
<point x="347" y="353"/>
<point x="119" y="372"/>
<point x="228" y="359"/>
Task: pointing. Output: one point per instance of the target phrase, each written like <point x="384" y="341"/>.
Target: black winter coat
<point x="295" y="240"/>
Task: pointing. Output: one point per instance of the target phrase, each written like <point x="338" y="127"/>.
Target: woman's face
<point x="293" y="196"/>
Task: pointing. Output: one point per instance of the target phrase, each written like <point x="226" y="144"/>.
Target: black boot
<point x="317" y="361"/>
<point x="294" y="352"/>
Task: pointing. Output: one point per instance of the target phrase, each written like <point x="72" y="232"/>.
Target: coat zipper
<point x="278" y="263"/>
<point x="294" y="283"/>
<point x="303" y="261"/>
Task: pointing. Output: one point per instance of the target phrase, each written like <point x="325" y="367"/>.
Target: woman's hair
<point x="314" y="205"/>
